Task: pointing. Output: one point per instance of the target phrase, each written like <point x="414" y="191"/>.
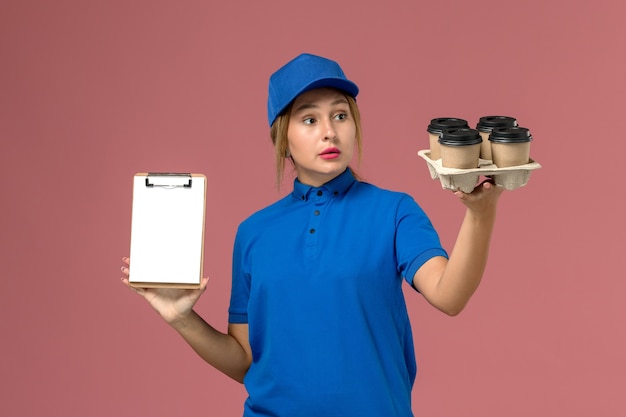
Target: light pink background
<point x="92" y="92"/>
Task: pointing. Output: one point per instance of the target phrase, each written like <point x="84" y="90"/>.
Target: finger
<point x="203" y="283"/>
<point x="126" y="260"/>
<point x="484" y="188"/>
<point x="492" y="187"/>
<point x="140" y="291"/>
<point x="125" y="280"/>
<point x="489" y="180"/>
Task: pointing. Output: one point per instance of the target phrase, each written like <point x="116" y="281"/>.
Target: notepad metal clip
<point x="168" y="180"/>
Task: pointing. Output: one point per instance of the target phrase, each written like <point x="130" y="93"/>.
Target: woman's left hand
<point x="483" y="199"/>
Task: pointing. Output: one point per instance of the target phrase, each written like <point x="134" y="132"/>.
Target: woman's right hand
<point x="172" y="304"/>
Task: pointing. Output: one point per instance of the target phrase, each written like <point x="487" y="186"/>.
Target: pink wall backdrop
<point x="92" y="92"/>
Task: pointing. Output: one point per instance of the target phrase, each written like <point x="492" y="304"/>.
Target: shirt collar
<point x="334" y="187"/>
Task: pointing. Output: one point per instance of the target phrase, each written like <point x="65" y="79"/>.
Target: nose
<point x="328" y="129"/>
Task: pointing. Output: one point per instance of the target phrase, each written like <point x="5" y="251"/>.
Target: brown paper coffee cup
<point x="485" y="125"/>
<point x="460" y="148"/>
<point x="485" y="146"/>
<point x="510" y="146"/>
<point x="435" y="128"/>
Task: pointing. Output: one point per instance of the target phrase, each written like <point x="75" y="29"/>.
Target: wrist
<point x="182" y="321"/>
<point x="486" y="217"/>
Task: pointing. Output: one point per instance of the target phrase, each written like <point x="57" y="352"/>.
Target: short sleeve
<point x="417" y="240"/>
<point x="240" y="289"/>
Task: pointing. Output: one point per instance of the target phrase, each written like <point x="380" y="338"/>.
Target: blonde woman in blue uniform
<point x="318" y="324"/>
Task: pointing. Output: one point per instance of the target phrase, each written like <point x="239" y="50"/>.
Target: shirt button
<point x="312" y="231"/>
<point x="302" y="197"/>
<point x="336" y="193"/>
<point x="316" y="212"/>
<point x="319" y="193"/>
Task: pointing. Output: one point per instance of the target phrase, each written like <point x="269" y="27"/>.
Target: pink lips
<point x="330" y="153"/>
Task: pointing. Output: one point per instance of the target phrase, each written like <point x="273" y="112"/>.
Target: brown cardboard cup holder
<point x="510" y="178"/>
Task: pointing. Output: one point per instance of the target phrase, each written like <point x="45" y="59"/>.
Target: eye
<point x="341" y="116"/>
<point x="308" y="121"/>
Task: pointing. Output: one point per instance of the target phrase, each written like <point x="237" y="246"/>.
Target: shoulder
<point x="367" y="190"/>
<point x="266" y="216"/>
<point x="394" y="204"/>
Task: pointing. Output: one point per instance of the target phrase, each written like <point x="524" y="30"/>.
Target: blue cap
<point x="303" y="73"/>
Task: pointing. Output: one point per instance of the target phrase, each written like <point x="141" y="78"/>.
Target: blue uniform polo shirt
<point x="318" y="278"/>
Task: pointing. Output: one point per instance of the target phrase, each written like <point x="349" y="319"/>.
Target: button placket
<point x="318" y="198"/>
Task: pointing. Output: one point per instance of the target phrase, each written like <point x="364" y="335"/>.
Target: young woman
<point x="317" y="321"/>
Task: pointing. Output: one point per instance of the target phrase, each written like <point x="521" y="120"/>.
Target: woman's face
<point x="321" y="135"/>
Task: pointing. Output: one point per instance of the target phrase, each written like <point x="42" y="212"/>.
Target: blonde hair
<point x="278" y="134"/>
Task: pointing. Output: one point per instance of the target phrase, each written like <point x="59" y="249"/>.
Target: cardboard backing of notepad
<point x="167" y="233"/>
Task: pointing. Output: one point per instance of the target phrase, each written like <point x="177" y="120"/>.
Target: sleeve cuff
<point x="238" y="318"/>
<point x="421" y="260"/>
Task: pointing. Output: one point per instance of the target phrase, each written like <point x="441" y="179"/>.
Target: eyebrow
<point x="306" y="106"/>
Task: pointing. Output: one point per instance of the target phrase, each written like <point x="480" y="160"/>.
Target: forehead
<point x="318" y="96"/>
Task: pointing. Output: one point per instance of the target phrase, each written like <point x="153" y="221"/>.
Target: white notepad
<point x="167" y="233"/>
